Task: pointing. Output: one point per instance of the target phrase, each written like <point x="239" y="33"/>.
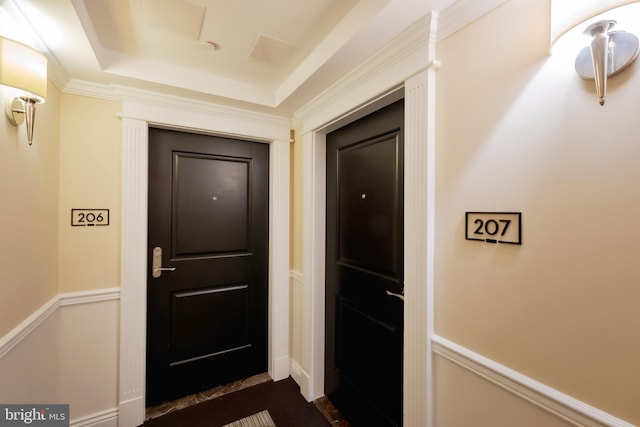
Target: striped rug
<point x="261" y="419"/>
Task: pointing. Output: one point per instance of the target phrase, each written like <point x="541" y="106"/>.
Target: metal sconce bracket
<point x="610" y="52"/>
<point x="14" y="109"/>
<point x="20" y="109"/>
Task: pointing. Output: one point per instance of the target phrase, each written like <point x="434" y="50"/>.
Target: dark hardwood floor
<point x="227" y="404"/>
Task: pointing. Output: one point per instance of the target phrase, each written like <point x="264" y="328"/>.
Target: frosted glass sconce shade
<point x="25" y="69"/>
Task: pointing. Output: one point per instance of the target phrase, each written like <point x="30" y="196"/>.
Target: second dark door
<point x="208" y="215"/>
<point x="364" y="268"/>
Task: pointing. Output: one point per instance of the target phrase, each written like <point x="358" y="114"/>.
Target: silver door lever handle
<point x="156" y="263"/>
<point x="163" y="269"/>
<point x="393" y="294"/>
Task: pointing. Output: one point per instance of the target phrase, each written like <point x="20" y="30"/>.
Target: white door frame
<point x="411" y="75"/>
<point x="136" y="118"/>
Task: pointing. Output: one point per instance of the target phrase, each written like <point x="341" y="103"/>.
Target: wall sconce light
<point x="23" y="68"/>
<point x="610" y="52"/>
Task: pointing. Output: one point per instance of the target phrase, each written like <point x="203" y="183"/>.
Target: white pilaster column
<point x="313" y="263"/>
<point x="419" y="238"/>
<point x="133" y="262"/>
<point x="279" y="170"/>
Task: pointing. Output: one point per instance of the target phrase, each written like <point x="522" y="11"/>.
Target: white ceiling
<point x="266" y="55"/>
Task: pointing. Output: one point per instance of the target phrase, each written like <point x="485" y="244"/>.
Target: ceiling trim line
<point x="406" y="53"/>
<point x="462" y="13"/>
<point x="142" y="105"/>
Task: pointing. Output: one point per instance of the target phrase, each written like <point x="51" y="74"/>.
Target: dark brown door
<point x="364" y="268"/>
<point x="208" y="214"/>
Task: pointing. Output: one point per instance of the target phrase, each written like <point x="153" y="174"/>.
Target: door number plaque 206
<point x="494" y="227"/>
<point x="89" y="217"/>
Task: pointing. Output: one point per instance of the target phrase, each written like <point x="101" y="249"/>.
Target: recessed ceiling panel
<point x="275" y="54"/>
<point x="178" y="16"/>
<point x="113" y="24"/>
<point x="270" y="51"/>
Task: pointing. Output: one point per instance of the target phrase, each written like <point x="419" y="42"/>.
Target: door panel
<point x="214" y="310"/>
<point x="208" y="211"/>
<point x="364" y="320"/>
<point x="224" y="184"/>
<point x="367" y="207"/>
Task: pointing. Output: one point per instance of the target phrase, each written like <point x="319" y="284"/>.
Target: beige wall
<point x="90" y="157"/>
<point x="517" y="130"/>
<point x="74" y="162"/>
<point x="29" y="213"/>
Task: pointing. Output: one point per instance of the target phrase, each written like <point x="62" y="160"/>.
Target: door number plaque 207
<point x="494" y="227"/>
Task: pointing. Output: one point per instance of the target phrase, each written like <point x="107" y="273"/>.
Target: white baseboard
<point x="301" y="377"/>
<point x="280" y="369"/>
<point x="541" y="395"/>
<point x="107" y="418"/>
<point x="131" y="412"/>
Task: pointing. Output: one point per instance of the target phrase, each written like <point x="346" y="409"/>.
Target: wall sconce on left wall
<point x="25" y="69"/>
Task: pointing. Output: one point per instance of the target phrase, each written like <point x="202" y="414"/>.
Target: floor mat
<point x="261" y="419"/>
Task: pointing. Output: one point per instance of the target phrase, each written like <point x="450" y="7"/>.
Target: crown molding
<point x="138" y="101"/>
<point x="186" y="113"/>
<point x="412" y="41"/>
<point x="462" y="13"/>
<point x="409" y="50"/>
<point x="85" y="88"/>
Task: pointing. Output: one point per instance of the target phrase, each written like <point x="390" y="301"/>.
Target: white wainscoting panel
<point x="299" y="337"/>
<point x="563" y="407"/>
<point x="20" y="332"/>
<point x="51" y="356"/>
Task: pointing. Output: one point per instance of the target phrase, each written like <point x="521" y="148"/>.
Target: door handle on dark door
<point x="393" y="294"/>
<point x="156" y="263"/>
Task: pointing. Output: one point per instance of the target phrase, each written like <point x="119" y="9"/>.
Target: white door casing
<point x="136" y="117"/>
<point x="411" y="76"/>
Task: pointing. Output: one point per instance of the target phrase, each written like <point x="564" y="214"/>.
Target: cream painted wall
<point x="29" y="214"/>
<point x="90" y="158"/>
<point x="517" y="130"/>
<point x="76" y="346"/>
